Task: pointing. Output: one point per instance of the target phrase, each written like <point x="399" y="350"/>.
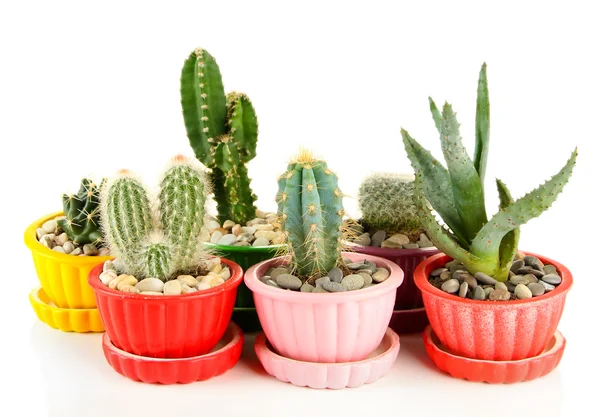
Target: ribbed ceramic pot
<point x="167" y="326"/>
<point x="492" y="330"/>
<point x="325" y="327"/>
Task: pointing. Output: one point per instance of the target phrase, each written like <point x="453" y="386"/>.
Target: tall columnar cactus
<point x="456" y="194"/>
<point x="311" y="211"/>
<point x="156" y="239"/>
<point x="82" y="214"/>
<point x="386" y="201"/>
<point x="223" y="133"/>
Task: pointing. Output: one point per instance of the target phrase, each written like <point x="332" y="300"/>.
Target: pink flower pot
<point x="327" y="328"/>
<point x="492" y="330"/>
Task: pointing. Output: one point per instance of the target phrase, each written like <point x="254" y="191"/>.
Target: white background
<point x="87" y="88"/>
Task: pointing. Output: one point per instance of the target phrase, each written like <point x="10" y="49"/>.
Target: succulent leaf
<point x="435" y="113"/>
<point x="510" y="242"/>
<point x="482" y="124"/>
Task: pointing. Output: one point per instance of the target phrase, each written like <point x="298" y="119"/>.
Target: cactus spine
<point x="456" y="194"/>
<point x="223" y="132"/>
<point x="311" y="211"/>
<point x="82" y="214"/>
<point x="386" y="201"/>
<point x="156" y="239"/>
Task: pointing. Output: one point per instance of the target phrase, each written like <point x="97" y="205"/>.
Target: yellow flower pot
<point x="63" y="277"/>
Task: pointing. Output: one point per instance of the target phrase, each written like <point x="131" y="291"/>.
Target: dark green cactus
<point x="82" y="214"/>
<point x="311" y="211"/>
<point x="456" y="194"/>
<point x="223" y="132"/>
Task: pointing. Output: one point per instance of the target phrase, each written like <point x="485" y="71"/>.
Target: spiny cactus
<point x="386" y="201"/>
<point x="223" y="133"/>
<point x="456" y="194"/>
<point x="311" y="211"/>
<point x="157" y="239"/>
<point x="82" y="214"/>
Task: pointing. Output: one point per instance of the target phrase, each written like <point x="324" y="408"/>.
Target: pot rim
<point x="236" y="279"/>
<point x="421" y="277"/>
<point x="244" y="249"/>
<point x="383" y="252"/>
<point x="35" y="246"/>
<point x="256" y="286"/>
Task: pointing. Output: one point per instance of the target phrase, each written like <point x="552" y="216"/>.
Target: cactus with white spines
<point x="456" y="194"/>
<point x="386" y="201"/>
<point x="223" y="132"/>
<point x="311" y="214"/>
<point x="82" y="214"/>
<point x="157" y="238"/>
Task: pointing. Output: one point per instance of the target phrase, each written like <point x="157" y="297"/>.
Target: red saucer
<point x="181" y="370"/>
<point x="495" y="372"/>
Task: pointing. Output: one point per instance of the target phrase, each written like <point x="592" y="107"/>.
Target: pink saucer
<point x="181" y="370"/>
<point x="329" y="375"/>
<point x="495" y="372"/>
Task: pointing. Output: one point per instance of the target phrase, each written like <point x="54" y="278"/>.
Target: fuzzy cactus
<point x="386" y="201"/>
<point x="456" y="194"/>
<point x="82" y="214"/>
<point x="311" y="212"/>
<point x="156" y="239"/>
<point x="223" y="132"/>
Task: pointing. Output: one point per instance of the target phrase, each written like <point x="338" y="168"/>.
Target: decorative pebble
<point x="320" y="289"/>
<point x="264" y="227"/>
<point x="227" y="240"/>
<point x="446" y="275"/>
<point x="519" y="279"/>
<point x="518" y="264"/>
<point x="553" y="279"/>
<point x="536" y="289"/>
<point x="522" y="292"/>
<point x="531" y="278"/>
<point x="534" y="262"/>
<point x="261" y="241"/>
<point x="249" y="230"/>
<point x="501" y="286"/>
<point x="320" y="281"/>
<point x="355" y="265"/>
<point x="47" y="241"/>
<point x="39" y="233"/>
<point x="353" y="282"/>
<point x="381" y="275"/>
<point x="266" y="234"/>
<point x="90" y="249"/>
<point x="479" y="293"/>
<point x="278" y="271"/>
<point x="499" y="295"/>
<point x="367" y="278"/>
<point x="509" y="286"/>
<point x="128" y="288"/>
<point x="529" y="270"/>
<point x="410" y="246"/>
<point x="370" y="265"/>
<point x="549" y="269"/>
<point x="228" y="224"/>
<point x="76" y="252"/>
<point x="378" y="238"/>
<point x="172" y="287"/>
<point x="225" y="273"/>
<point x="463" y="289"/>
<point x="185" y="289"/>
<point x="115" y="282"/>
<point x="364" y="239"/>
<point x="334" y="286"/>
<point x="236" y="230"/>
<point x="547" y="287"/>
<point x="335" y="274"/>
<point x="58" y="249"/>
<point x="150" y="284"/>
<point x="484" y="278"/>
<point x="451" y="286"/>
<point x="437" y="272"/>
<point x="307" y="288"/>
<point x="212" y="225"/>
<point x="471" y="282"/>
<point x="288" y="281"/>
<point x="188" y="280"/>
<point x="488" y="291"/>
<point x="107" y="276"/>
<point x="366" y="271"/>
<point x="216" y="236"/>
<point x="49" y="226"/>
<point x="264" y="279"/>
<point x="425" y="244"/>
<point x="245" y="237"/>
<point x="204" y="286"/>
<point x="102" y="251"/>
<point x="61" y="239"/>
<point x="129" y="280"/>
<point x="519" y="255"/>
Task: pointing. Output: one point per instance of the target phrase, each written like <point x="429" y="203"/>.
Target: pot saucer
<point x="409" y="321"/>
<point x="329" y="375"/>
<point x="177" y="370"/>
<point x="495" y="372"/>
<point x="80" y="320"/>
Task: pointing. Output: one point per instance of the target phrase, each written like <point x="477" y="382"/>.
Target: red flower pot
<point x="161" y="326"/>
<point x="492" y="330"/>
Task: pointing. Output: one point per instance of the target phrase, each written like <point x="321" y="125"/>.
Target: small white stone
<point x="108" y="266"/>
<point x="226" y="240"/>
<point x="58" y="249"/>
<point x="236" y="230"/>
<point x="61" y="239"/>
<point x="68" y="247"/>
<point x="47" y="241"/>
<point x="150" y="284"/>
<point x="187" y="289"/>
<point x="249" y="230"/>
<point x="103" y="252"/>
<point x="380" y="275"/>
<point x="128" y="288"/>
<point x="130" y="280"/>
<point x="188" y="280"/>
<point x="254" y="222"/>
<point x="76" y="251"/>
<point x="212" y="262"/>
<point x="267" y="227"/>
<point x="113" y="284"/>
<point x="172" y="287"/>
<point x="90" y="249"/>
<point x="107" y="276"/>
<point x="260" y="214"/>
<point x="216" y="282"/>
<point x="49" y="226"/>
<point x="216" y="268"/>
<point x="212" y="225"/>
<point x="216" y="236"/>
<point x="51" y="236"/>
<point x="228" y="224"/>
<point x="203" y="286"/>
<point x="261" y="241"/>
<point x="225" y="273"/>
<point x="39" y="233"/>
<point x="270" y="235"/>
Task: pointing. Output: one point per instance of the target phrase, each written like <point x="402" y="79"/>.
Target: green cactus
<point x="156" y="238"/>
<point x="223" y="132"/>
<point x="82" y="214"/>
<point x="456" y="194"/>
<point x="311" y="211"/>
<point x="387" y="203"/>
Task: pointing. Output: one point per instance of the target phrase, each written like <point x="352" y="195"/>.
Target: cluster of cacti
<point x="82" y="214"/>
<point x="386" y="201"/>
<point x="223" y="132"/>
<point x="456" y="194"/>
<point x="156" y="238"/>
<point x="311" y="214"/>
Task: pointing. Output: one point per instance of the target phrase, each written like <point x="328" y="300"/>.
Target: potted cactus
<point x="223" y="132"/>
<point x="298" y="296"/>
<point x="164" y="296"/>
<point x="390" y="228"/>
<point x="485" y="299"/>
<point x="65" y="247"/>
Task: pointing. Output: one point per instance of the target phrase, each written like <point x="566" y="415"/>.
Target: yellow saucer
<point x="66" y="319"/>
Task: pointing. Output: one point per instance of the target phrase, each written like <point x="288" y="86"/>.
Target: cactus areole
<point x="223" y="132"/>
<point x="456" y="194"/>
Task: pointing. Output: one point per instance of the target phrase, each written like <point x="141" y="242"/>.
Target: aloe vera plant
<point x="456" y="194"/>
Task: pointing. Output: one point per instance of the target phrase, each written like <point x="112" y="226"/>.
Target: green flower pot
<point x="244" y="313"/>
